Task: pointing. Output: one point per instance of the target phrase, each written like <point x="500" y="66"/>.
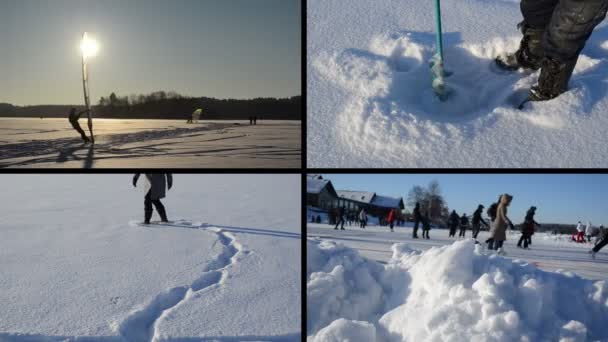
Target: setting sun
<point x="88" y="46"/>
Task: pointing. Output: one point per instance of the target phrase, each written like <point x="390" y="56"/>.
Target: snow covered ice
<point x="76" y="264"/>
<point x="371" y="104"/>
<point x="364" y="285"/>
<point x="129" y="143"/>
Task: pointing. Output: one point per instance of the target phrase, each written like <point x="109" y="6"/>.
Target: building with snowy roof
<point x="320" y="193"/>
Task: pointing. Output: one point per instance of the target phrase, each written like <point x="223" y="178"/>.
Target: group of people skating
<point x="497" y="224"/>
<point x="359" y="218"/>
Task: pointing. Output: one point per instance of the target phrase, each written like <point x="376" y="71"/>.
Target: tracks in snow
<point x="142" y="324"/>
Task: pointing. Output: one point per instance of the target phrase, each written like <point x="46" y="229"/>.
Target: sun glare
<point x="88" y="47"/>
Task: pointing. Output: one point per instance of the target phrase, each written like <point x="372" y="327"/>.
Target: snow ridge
<point x="142" y="324"/>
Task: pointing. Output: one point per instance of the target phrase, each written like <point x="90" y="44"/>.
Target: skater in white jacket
<point x="588" y="231"/>
<point x="580" y="232"/>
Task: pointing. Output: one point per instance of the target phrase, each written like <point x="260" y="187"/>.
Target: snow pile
<point x="372" y="103"/>
<point x="450" y="293"/>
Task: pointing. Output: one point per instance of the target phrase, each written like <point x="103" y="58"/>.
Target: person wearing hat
<point x="477" y="220"/>
<point x="528" y="229"/>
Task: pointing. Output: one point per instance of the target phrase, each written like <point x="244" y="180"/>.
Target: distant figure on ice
<point x="155" y="190"/>
<point x="498" y="233"/>
<point x="340" y="218"/>
<point x="453" y="222"/>
<point x="73" y="117"/>
<point x="589" y="231"/>
<point x="528" y="229"/>
<point x="426" y="226"/>
<point x="255" y="120"/>
<point x="477" y="220"/>
<point x="464" y="222"/>
<point x="602" y="242"/>
<point x="580" y="233"/>
<point x="363" y="218"/>
<point x="554" y="33"/>
<point x="417" y="220"/>
<point x="391" y="219"/>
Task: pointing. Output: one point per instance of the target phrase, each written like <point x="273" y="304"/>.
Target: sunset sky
<point x="213" y="48"/>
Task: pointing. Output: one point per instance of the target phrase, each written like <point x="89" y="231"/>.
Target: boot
<point x="162" y="213"/>
<point x="553" y="80"/>
<point x="148" y="216"/>
<point x="530" y="52"/>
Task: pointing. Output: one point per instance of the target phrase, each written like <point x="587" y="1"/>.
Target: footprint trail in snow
<point x="142" y="324"/>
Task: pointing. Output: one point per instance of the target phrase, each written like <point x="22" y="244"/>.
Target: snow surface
<point x="453" y="292"/>
<point x="76" y="264"/>
<point x="53" y="143"/>
<point x="370" y="103"/>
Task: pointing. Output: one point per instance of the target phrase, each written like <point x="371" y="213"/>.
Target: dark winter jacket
<point x="476" y="220"/>
<point x="156" y="183"/>
<point x="464" y="220"/>
<point x="417" y="215"/>
<point x="426" y="223"/>
<point x="454" y="219"/>
<point x="529" y="223"/>
<point x="492" y="211"/>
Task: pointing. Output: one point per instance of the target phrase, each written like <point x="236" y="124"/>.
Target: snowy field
<point x="76" y="265"/>
<point x="374" y="285"/>
<point x="370" y="103"/>
<point x="50" y="143"/>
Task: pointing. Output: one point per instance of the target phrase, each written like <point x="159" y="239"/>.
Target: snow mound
<point x="342" y="330"/>
<point x="449" y="293"/>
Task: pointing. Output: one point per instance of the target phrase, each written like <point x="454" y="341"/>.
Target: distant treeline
<point x="170" y="105"/>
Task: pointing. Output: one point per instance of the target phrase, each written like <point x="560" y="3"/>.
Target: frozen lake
<point x="123" y="143"/>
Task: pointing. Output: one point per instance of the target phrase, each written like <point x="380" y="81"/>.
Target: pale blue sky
<point x="560" y="198"/>
<point x="214" y="48"/>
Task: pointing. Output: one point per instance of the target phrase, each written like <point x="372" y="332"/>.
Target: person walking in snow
<point x="426" y="226"/>
<point x="417" y="219"/>
<point x="340" y="218"/>
<point x="554" y="33"/>
<point x="391" y="219"/>
<point x="589" y="231"/>
<point x="73" y="118"/>
<point x="453" y="222"/>
<point x="464" y="222"/>
<point x="156" y="183"/>
<point x="477" y="220"/>
<point x="528" y="229"/>
<point x="498" y="233"/>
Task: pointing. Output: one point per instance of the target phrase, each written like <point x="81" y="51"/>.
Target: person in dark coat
<point x="340" y="218"/>
<point x="492" y="214"/>
<point x="426" y="226"/>
<point x="464" y="222"/>
<point x="528" y="228"/>
<point x="453" y="222"/>
<point x="155" y="191"/>
<point x="477" y="220"/>
<point x="417" y="220"/>
<point x="73" y="118"/>
<point x="554" y="33"/>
